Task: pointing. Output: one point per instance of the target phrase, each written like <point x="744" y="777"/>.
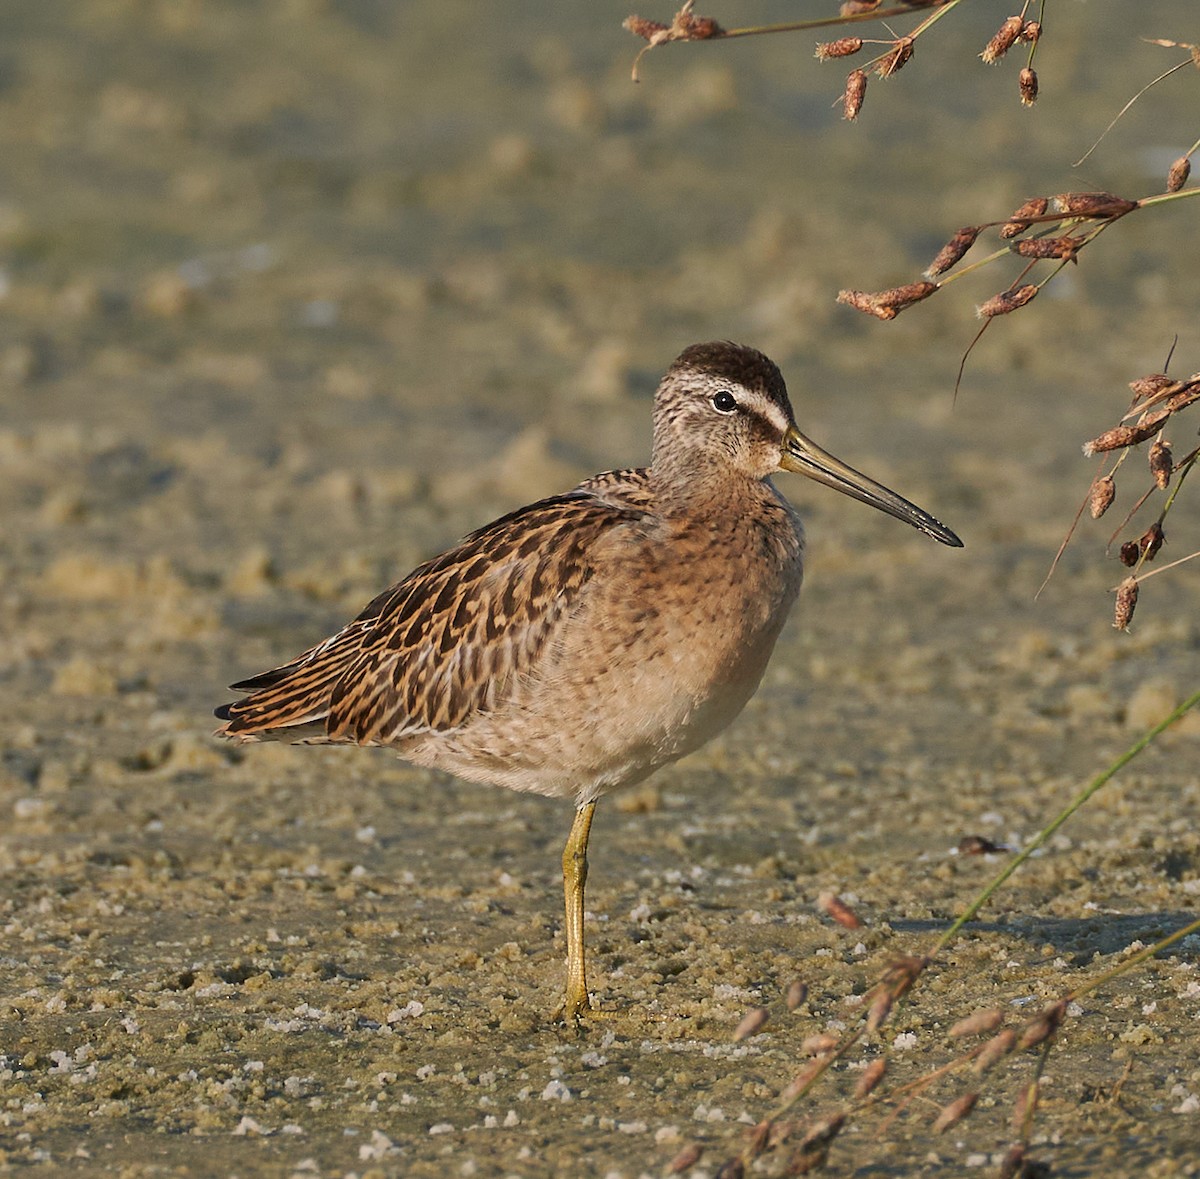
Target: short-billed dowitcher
<point x="578" y="644"/>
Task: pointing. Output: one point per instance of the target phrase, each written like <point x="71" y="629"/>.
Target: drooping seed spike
<point x="829" y="903"/>
<point x="880" y="1009"/>
<point x="797" y="992"/>
<point x="819" y="1043"/>
<point x="1104" y="491"/>
<point x="977" y="1023"/>
<point x="842" y="47"/>
<point x="871" y="1077"/>
<point x="685" y="1159"/>
<point x="1007" y="301"/>
<point x="1031" y="32"/>
<point x="1121" y="436"/>
<point x="1005" y="38"/>
<point x="1017" y="223"/>
<point x="752" y="1022"/>
<point x="887" y="304"/>
<point x="1177" y="177"/>
<point x="953" y="251"/>
<point x="855" y="92"/>
<point x="896" y="58"/>
<point x="1065" y="247"/>
<point x="1027" y="85"/>
<point x="1129" y="553"/>
<point x="1161" y="463"/>
<point x="1127" y="596"/>
<point x="1151" y="541"/>
<point x="954" y="1112"/>
<point x="997" y="1048"/>
<point x="1099" y="205"/>
<point x="1148" y="385"/>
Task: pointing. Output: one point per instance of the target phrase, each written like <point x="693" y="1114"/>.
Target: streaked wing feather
<point x="449" y="639"/>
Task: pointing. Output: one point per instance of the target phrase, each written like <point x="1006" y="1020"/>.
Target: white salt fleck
<point x="556" y="1091"/>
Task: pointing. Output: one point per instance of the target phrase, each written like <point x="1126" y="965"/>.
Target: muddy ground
<point x="296" y="293"/>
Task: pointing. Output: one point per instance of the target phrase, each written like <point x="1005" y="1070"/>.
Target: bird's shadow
<point x="1080" y="939"/>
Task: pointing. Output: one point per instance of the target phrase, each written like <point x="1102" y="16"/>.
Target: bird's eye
<point x="724" y="402"/>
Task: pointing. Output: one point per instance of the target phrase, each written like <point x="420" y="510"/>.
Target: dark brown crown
<point x="723" y="360"/>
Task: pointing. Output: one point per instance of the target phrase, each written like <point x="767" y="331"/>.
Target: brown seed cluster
<point x="1007" y="301"/>
<point x="1027" y="86"/>
<point x="1127" y="596"/>
<point x="1177" y="177"/>
<point x="1156" y="398"/>
<point x="684" y="26"/>
<point x="954" y="250"/>
<point x="833" y="906"/>
<point x="842" y="47"/>
<point x="887" y="304"/>
<point x="853" y="95"/>
<point x="1004" y="39"/>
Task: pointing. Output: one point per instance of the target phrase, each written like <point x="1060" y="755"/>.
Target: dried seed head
<point x="687" y="1157"/>
<point x="825" y="1131"/>
<point x="954" y="1113"/>
<point x="977" y="1023"/>
<point x="1151" y="541"/>
<point x="1005" y="38"/>
<point x="1122" y="436"/>
<point x="997" y="1048"/>
<point x="801" y="1080"/>
<point x="856" y="91"/>
<point x="856" y="7"/>
<point x="733" y="1169"/>
<point x="1042" y="1027"/>
<point x="1177" y="177"/>
<point x="833" y="906"/>
<point x="1013" y="1165"/>
<point x="1027" y="84"/>
<point x="871" y="1077"/>
<point x="702" y="28"/>
<point x="816" y="1044"/>
<point x="1048" y="247"/>
<point x="902" y="973"/>
<point x="887" y="304"/>
<point x="752" y="1021"/>
<point x="1017" y="224"/>
<point x="1006" y="301"/>
<point x="1091" y="204"/>
<point x="881" y="1008"/>
<point x="842" y="47"/>
<point x="1147" y="386"/>
<point x="953" y="250"/>
<point x="1127" y="596"/>
<point x="1161" y="463"/>
<point x="1130" y="552"/>
<point x="797" y="992"/>
<point x="640" y="27"/>
<point x="1024" y="1106"/>
<point x="896" y="58"/>
<point x="1031" y="32"/>
<point x="1104" y="491"/>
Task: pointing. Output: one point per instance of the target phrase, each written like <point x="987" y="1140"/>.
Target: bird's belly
<point x="605" y="714"/>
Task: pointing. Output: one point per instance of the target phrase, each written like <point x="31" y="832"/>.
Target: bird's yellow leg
<point x="575" y="869"/>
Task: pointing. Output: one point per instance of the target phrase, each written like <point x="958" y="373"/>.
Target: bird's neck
<point x="704" y="489"/>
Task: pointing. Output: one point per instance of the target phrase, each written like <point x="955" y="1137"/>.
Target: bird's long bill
<point x="805" y="457"/>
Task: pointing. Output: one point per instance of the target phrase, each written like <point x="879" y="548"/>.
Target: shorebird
<point x="580" y="643"/>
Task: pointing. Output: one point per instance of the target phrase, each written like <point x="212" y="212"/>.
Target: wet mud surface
<point x="296" y="294"/>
